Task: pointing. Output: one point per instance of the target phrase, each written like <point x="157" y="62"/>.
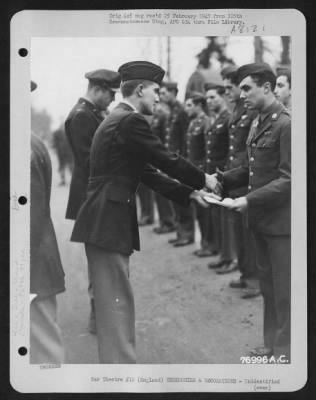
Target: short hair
<point x="128" y="87"/>
<point x="286" y="73"/>
<point x="262" y="77"/>
<point x="220" y="89"/>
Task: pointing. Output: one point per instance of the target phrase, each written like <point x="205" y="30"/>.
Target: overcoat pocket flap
<point x="121" y="194"/>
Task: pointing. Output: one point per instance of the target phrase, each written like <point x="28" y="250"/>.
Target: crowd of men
<point x="231" y="140"/>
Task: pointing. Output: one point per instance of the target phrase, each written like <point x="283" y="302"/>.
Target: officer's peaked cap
<point x="253" y="69"/>
<point x="142" y="70"/>
<point x="104" y="77"/>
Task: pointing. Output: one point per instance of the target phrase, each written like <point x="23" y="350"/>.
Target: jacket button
<point x="128" y="200"/>
<point x="231" y="147"/>
<point x="232" y="136"/>
<point x="252" y="159"/>
<point x="253" y="145"/>
<point x="249" y="187"/>
<point x="251" y="173"/>
<point x="231" y="158"/>
<point x="233" y="126"/>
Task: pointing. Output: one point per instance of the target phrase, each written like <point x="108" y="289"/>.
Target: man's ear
<point x="139" y="90"/>
<point x="267" y="87"/>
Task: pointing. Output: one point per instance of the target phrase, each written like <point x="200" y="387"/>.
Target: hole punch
<point x="22" y="200"/>
<point x="23" y="52"/>
<point x="22" y="351"/>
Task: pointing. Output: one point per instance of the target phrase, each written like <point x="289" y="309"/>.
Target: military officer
<point x="235" y="229"/>
<point x="80" y="127"/>
<point x="267" y="173"/>
<point x="195" y="106"/>
<point x="283" y="87"/>
<point x="46" y="271"/>
<point x="124" y="152"/>
<point x="177" y="124"/>
<point x="216" y="156"/>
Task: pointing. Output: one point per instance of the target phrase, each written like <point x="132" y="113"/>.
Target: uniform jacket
<point x="267" y="172"/>
<point x="238" y="131"/>
<point x="176" y="127"/>
<point x="195" y="140"/>
<point x="47" y="275"/>
<point x="217" y="143"/>
<point x="123" y="153"/>
<point x="80" y="127"/>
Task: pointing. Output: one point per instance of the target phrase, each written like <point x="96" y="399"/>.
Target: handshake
<point x="213" y="183"/>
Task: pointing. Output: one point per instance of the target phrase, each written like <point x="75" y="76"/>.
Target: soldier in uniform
<point x="165" y="207"/>
<point x="195" y="106"/>
<point x="46" y="271"/>
<point x="283" y="87"/>
<point x="216" y="156"/>
<point x="80" y="127"/>
<point x="236" y="231"/>
<point x="124" y="152"/>
<point x="267" y="173"/>
<point x="176" y="128"/>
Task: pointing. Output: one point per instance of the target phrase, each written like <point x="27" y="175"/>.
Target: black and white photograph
<point x="163" y="239"/>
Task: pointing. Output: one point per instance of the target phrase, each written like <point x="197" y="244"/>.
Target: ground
<point x="185" y="313"/>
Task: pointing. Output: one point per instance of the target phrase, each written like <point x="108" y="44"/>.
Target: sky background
<point x="58" y="65"/>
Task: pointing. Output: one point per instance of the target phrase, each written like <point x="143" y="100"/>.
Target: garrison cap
<point x="194" y="95"/>
<point x="215" y="86"/>
<point x="33" y="86"/>
<point x="252" y="69"/>
<point x="104" y="77"/>
<point x="143" y="70"/>
<point x="229" y="72"/>
<point x="170" y="85"/>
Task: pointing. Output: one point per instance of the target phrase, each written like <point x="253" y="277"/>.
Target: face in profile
<point x="149" y="97"/>
<point x="252" y="94"/>
<point x="190" y="108"/>
<point x="232" y="91"/>
<point x="282" y="89"/>
<point x="104" y="97"/>
<point x="214" y="100"/>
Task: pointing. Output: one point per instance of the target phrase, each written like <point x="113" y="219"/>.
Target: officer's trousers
<point x="165" y="211"/>
<point x="274" y="268"/>
<point x="114" y="305"/>
<point x="204" y="219"/>
<point x="245" y="249"/>
<point x="146" y="199"/>
<point x="184" y="221"/>
<point x="46" y="344"/>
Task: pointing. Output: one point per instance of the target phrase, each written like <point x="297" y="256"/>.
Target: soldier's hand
<point x="240" y="204"/>
<point x="212" y="183"/>
<point x="198" y="196"/>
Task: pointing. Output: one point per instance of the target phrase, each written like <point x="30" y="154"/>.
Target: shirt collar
<point x="124" y="101"/>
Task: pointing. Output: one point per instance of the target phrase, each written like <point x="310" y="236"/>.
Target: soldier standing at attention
<point x="267" y="173"/>
<point x="283" y="87"/>
<point x="80" y="127"/>
<point x="176" y="128"/>
<point x="195" y="106"/>
<point x="236" y="231"/>
<point x="165" y="208"/>
<point x="216" y="156"/>
<point x="124" y="152"/>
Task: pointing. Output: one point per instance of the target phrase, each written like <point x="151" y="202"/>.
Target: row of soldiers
<point x="233" y="136"/>
<point x="210" y="129"/>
